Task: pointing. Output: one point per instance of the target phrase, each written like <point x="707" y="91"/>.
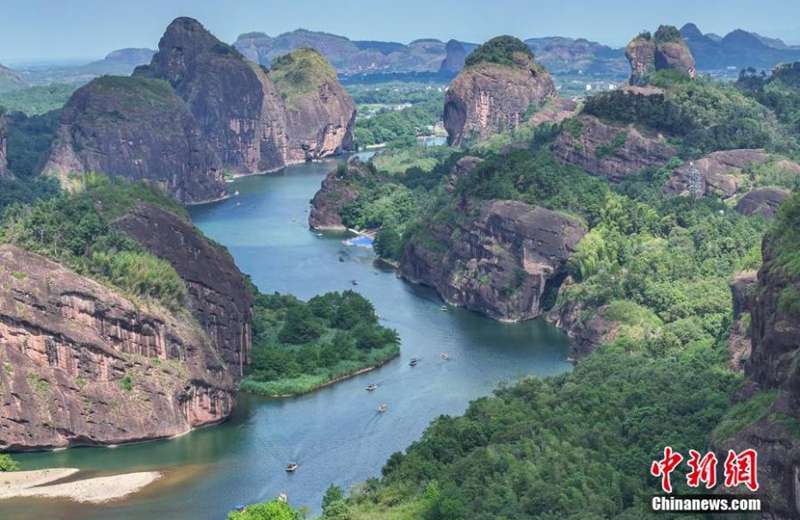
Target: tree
<point x="7" y="463"/>
<point x="266" y="511"/>
<point x="333" y="494"/>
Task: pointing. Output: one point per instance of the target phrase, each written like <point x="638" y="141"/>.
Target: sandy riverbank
<point x="44" y="484"/>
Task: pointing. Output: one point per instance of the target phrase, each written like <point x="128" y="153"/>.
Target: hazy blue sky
<point x="41" y="29"/>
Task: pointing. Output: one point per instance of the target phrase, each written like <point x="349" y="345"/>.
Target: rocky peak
<point x="139" y="129"/>
<point x="241" y="112"/>
<point x="495" y="91"/>
<point x="320" y="114"/>
<point x="664" y="50"/>
<point x="455" y="57"/>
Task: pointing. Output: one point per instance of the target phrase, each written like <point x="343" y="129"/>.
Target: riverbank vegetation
<point x="301" y="346"/>
<point x="7" y="463"/>
<point x="654" y="268"/>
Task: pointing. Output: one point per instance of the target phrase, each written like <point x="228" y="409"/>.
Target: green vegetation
<point x="574" y="446"/>
<point x="7" y="463"/>
<point x="699" y="115"/>
<point x="76" y="230"/>
<point x="29" y="139"/>
<point x="274" y="510"/>
<point x="395" y="93"/>
<point x="300" y="72"/>
<point x="300" y="346"/>
<point x="39" y="99"/>
<point x="502" y="50"/>
<point x="389" y="125"/>
<point x="655" y="268"/>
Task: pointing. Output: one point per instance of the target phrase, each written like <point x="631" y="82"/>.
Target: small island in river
<point x="299" y="347"/>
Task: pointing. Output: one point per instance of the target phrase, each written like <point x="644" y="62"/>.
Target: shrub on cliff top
<point x="500" y="50"/>
<point x="300" y="72"/>
<point x="667" y="33"/>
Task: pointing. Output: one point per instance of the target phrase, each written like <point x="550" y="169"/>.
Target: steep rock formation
<point x="587" y="334"/>
<point x="739" y="345"/>
<point x="610" y="151"/>
<point x="490" y="97"/>
<point x="320" y="114"/>
<point x="460" y="170"/>
<point x="453" y="62"/>
<point x="4" y="173"/>
<point x="504" y="263"/>
<point x="665" y="50"/>
<point x="83" y="365"/>
<point x="714" y="174"/>
<point x="554" y="110"/>
<point x="762" y="202"/>
<point x="336" y="192"/>
<point x="240" y="111"/>
<point x="218" y="297"/>
<point x="138" y="129"/>
<point x="773" y="367"/>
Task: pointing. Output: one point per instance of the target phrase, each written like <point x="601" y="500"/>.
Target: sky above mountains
<point x="34" y="30"/>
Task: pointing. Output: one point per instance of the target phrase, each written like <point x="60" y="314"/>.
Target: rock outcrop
<point x="773" y="367"/>
<point x="607" y="150"/>
<point x="489" y="97"/>
<point x="739" y="345"/>
<point x="337" y="191"/>
<point x="714" y="174"/>
<point x="82" y="365"/>
<point x="4" y="174"/>
<point x="507" y="263"/>
<point x="240" y="111"/>
<point x="764" y="202"/>
<point x="139" y="129"/>
<point x="320" y="114"/>
<point x="453" y="61"/>
<point x="218" y="296"/>
<point x="665" y="50"/>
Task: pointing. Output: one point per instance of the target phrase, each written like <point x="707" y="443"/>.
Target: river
<point x="335" y="434"/>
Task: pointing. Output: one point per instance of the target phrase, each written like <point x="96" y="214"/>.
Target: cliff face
<point x="773" y="367"/>
<point x="336" y="192"/>
<point x="610" y="151"/>
<point x="218" y="297"/>
<point x="491" y="97"/>
<point x="453" y="61"/>
<point x="665" y="50"/>
<point x="4" y="174"/>
<point x="320" y="114"/>
<point x="138" y="129"/>
<point x="240" y="111"/>
<point x="504" y="263"/>
<point x="83" y="365"/>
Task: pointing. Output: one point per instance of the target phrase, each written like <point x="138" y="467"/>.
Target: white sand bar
<point x="18" y="484"/>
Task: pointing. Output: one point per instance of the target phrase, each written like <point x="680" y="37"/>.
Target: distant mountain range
<point x="737" y="50"/>
<point x="562" y="56"/>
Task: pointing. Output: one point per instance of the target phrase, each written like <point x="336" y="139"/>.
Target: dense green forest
<point x="299" y="346"/>
<point x="39" y="99"/>
<point x="657" y="268"/>
<point x="389" y="125"/>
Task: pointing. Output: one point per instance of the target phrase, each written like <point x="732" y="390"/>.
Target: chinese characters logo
<point x="739" y="468"/>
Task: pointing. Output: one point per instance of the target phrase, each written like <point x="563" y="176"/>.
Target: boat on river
<point x="414" y="362"/>
<point x="446" y="356"/>
<point x="354" y="282"/>
<point x="283" y="497"/>
<point x="382" y="408"/>
<point x="371" y="387"/>
<point x="292" y="467"/>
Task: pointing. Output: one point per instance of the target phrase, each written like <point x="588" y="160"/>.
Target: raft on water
<point x="291" y="467"/>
